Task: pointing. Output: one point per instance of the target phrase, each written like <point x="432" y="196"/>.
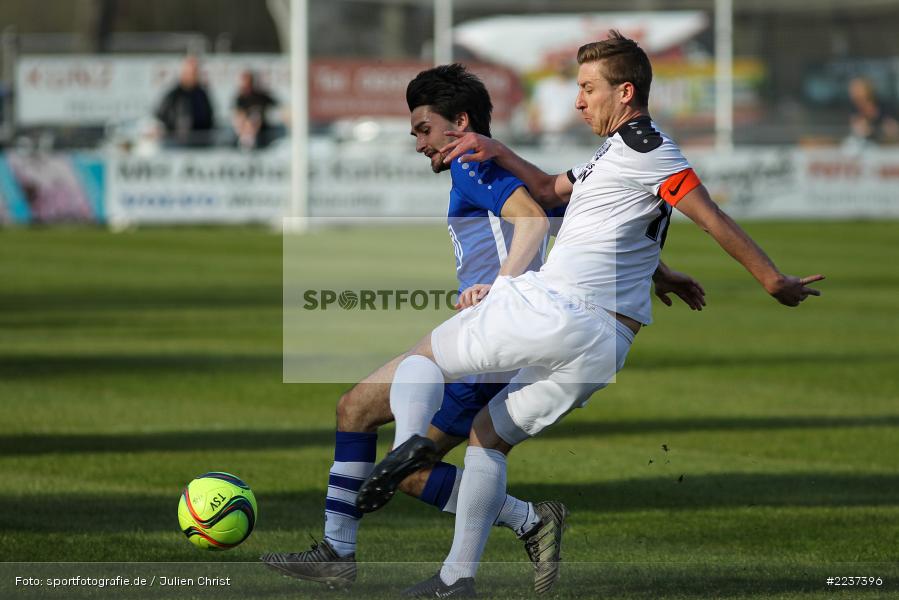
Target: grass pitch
<point x="749" y="450"/>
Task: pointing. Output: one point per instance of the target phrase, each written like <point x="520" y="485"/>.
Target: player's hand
<point x="681" y="285"/>
<point x="484" y="147"/>
<point x="790" y="290"/>
<point x="472" y="295"/>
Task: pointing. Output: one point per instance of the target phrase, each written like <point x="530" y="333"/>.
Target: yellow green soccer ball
<point x="217" y="511"/>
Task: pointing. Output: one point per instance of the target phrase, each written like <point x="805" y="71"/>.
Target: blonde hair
<point x="623" y="61"/>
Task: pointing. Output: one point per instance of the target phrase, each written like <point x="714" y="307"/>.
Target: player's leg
<point x="416" y="393"/>
<point x="482" y="494"/>
<point x="481" y="497"/>
<point x="451" y="425"/>
<point x="412" y="465"/>
<point x="360" y="411"/>
<point x="483" y="490"/>
<point x="459" y="349"/>
<point x="366" y="405"/>
<point x="537" y="399"/>
<point x="436" y="484"/>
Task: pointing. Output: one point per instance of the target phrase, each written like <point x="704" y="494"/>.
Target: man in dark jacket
<point x="186" y="111"/>
<point x="251" y="126"/>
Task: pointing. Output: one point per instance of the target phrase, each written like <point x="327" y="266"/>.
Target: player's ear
<point x="627" y="91"/>
<point x="462" y="121"/>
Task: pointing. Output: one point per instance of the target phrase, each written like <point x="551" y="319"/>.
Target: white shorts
<point x="565" y="351"/>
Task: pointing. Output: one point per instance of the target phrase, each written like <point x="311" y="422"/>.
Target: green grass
<point x="130" y="363"/>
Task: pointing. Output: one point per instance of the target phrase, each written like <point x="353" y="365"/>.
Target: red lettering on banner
<point x="91" y="77"/>
<point x="330" y="80"/>
<point x="346" y="88"/>
<point x="835" y="170"/>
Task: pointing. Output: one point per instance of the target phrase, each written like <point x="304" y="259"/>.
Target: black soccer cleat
<point x="412" y="455"/>
<point x="435" y="588"/>
<point x="321" y="563"/>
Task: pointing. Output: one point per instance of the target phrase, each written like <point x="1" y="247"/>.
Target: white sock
<point x="450" y="506"/>
<point x="339" y="528"/>
<point x="415" y="395"/>
<point x="517" y="515"/>
<point x="481" y="497"/>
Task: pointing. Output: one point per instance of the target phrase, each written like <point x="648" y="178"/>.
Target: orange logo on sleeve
<point x="679" y="185"/>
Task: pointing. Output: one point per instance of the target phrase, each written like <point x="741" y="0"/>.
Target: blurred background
<point x="150" y="150"/>
<point x="123" y="112"/>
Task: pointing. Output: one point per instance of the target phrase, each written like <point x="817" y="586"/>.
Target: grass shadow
<point x="265" y="439"/>
<point x="113" y="512"/>
<point x="25" y="367"/>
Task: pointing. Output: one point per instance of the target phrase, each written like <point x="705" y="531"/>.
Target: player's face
<point x="428" y="128"/>
<point x="597" y="101"/>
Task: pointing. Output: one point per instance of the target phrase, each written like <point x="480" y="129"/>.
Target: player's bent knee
<point x="484" y="435"/>
<point x="344" y="412"/>
<point x="351" y="414"/>
<point x="365" y="407"/>
<point x="444" y="441"/>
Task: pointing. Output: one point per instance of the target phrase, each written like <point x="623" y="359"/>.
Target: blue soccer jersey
<point x="481" y="239"/>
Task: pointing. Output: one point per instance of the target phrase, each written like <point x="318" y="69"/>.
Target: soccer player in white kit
<point x="568" y="327"/>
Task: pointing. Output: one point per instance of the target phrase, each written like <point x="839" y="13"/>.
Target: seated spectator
<point x="185" y="111"/>
<point x="250" y="119"/>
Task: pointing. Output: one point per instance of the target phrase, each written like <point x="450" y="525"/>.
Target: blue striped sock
<point x="354" y="458"/>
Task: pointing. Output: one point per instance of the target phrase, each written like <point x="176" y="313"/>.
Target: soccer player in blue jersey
<point x="496" y="228"/>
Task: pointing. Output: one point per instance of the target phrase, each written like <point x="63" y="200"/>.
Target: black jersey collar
<point x="640" y="135"/>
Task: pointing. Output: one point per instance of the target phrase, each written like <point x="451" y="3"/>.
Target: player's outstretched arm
<point x="668" y="281"/>
<point x="548" y="190"/>
<point x="787" y="289"/>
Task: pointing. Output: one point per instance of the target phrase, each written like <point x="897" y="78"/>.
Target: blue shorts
<point x="461" y="402"/>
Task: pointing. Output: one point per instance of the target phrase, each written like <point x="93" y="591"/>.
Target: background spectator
<point x="869" y="121"/>
<point x="250" y="120"/>
<point x="185" y="111"/>
<point x="551" y="114"/>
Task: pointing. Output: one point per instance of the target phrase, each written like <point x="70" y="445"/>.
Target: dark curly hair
<point x="451" y="90"/>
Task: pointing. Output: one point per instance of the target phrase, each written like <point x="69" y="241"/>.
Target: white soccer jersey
<point x="617" y="219"/>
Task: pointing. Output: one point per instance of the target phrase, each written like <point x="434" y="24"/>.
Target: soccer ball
<point x="217" y="511"/>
